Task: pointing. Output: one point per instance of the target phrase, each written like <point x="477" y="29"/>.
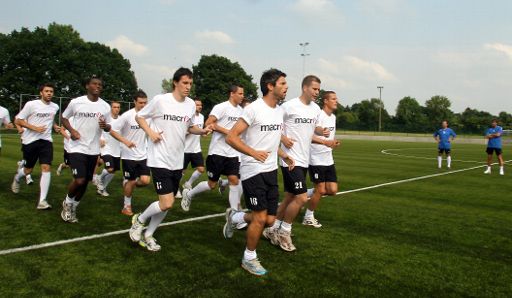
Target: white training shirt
<point x="86" y="114"/>
<point x="5" y="119"/>
<point x="192" y="141"/>
<point x="112" y="146"/>
<point x="321" y="155"/>
<point x="227" y="115"/>
<point x="130" y="130"/>
<point x="66" y="141"/>
<point x="300" y="121"/>
<point x="172" y="118"/>
<point x="38" y="113"/>
<point x="263" y="134"/>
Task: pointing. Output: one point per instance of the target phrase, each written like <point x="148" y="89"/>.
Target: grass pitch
<point x="449" y="235"/>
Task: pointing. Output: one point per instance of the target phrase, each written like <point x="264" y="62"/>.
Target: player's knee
<point x="166" y="204"/>
<point x="233" y="180"/>
<point x="212" y="184"/>
<point x="111" y="170"/>
<point x="144" y="180"/>
<point x="81" y="181"/>
<point x="200" y="170"/>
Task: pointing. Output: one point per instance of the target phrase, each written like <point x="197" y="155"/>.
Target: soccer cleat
<point x="186" y="200"/>
<point x="311" y="221"/>
<point x="222" y="187"/>
<point x="136" y="229"/>
<point x="488" y="171"/>
<point x="66" y="211"/>
<point x="29" y="179"/>
<point x="271" y="234"/>
<point x="102" y="192"/>
<point x="59" y="169"/>
<point x="178" y="195"/>
<point x="43" y="205"/>
<point x="241" y="225"/>
<point x="502" y="172"/>
<point x="285" y="240"/>
<point x="150" y="244"/>
<point x="253" y="267"/>
<point x="127" y="210"/>
<point x="227" y="230"/>
<point x="187" y="185"/>
<point x="15" y="186"/>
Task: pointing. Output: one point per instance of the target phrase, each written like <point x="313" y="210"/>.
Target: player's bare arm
<point x="121" y="139"/>
<point x="286" y="158"/>
<point x="196" y="130"/>
<point x="75" y="135"/>
<point x="154" y="136"/>
<point x="233" y="139"/>
<point x="287" y="142"/>
<point x="25" y="124"/>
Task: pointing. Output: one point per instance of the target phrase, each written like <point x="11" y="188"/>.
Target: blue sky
<point x="460" y="49"/>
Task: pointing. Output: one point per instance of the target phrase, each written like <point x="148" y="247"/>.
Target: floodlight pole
<point x="380" y="107"/>
<point x="304" y="55"/>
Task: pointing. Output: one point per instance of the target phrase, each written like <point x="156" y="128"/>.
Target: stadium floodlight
<point x="380" y="107"/>
<point x="304" y="55"/>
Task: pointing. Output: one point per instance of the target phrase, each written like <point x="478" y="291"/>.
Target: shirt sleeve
<point x="249" y="114"/>
<point x="217" y="112"/>
<point x="436" y="133"/>
<point x="118" y="125"/>
<point x="70" y="110"/>
<point x="454" y="134"/>
<point x="7" y="118"/>
<point x="149" y="110"/>
<point x="25" y="112"/>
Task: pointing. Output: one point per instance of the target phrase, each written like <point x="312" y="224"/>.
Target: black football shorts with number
<point x="112" y="162"/>
<point x="66" y="158"/>
<point x="294" y="180"/>
<point x="320" y="174"/>
<point x="194" y="159"/>
<point x="133" y="169"/>
<point x="41" y="150"/>
<point x="217" y="165"/>
<point x="491" y="150"/>
<point x="82" y="165"/>
<point x="261" y="192"/>
<point x="166" y="181"/>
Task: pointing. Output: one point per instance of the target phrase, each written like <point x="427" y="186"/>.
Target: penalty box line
<point x="199" y="218"/>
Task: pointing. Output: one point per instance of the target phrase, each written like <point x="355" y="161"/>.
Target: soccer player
<point x="37" y="117"/>
<point x="133" y="150"/>
<point x="222" y="159"/>
<point x="493" y="135"/>
<point x="193" y="154"/>
<point x="65" y="140"/>
<point x="110" y="153"/>
<point x="260" y="124"/>
<point x="322" y="171"/>
<point x="171" y="116"/>
<point x="5" y="119"/>
<point x="90" y="116"/>
<point x="444" y="138"/>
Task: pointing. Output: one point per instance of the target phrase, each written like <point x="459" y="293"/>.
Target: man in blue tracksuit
<point x="444" y="138"/>
<point x="493" y="136"/>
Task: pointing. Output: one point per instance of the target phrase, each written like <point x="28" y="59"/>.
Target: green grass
<point x="443" y="236"/>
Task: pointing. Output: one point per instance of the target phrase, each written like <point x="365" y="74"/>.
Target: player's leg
<point x="231" y="168"/>
<point x="213" y="167"/>
<point x="500" y="160"/>
<point x="95" y="176"/>
<point x="197" y="163"/>
<point x="489" y="152"/>
<point x="82" y="167"/>
<point x="448" y="158"/>
<point x="30" y="157"/>
<point x="440" y="158"/>
<point x="45" y="159"/>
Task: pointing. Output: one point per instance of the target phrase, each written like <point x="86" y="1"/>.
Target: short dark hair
<point x="326" y="94"/>
<point x="112" y="102"/>
<point x="310" y="79"/>
<point x="42" y="86"/>
<point x="234" y="87"/>
<point x="139" y="94"/>
<point x="494" y="120"/>
<point x="270" y="77"/>
<point x="92" y="77"/>
<point x="197" y="99"/>
<point x="182" y="71"/>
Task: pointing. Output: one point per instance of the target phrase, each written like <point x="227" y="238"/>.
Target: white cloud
<point x="317" y="10"/>
<point x="128" y="46"/>
<point x="160" y="70"/>
<point x="214" y="36"/>
<point x="499" y="47"/>
<point x="369" y="68"/>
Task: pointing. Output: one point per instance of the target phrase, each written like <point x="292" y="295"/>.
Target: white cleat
<point x="502" y="172"/>
<point x="43" y="205"/>
<point x="102" y="192"/>
<point x="15" y="186"/>
<point x="227" y="230"/>
<point x="488" y="171"/>
<point x="271" y="234"/>
<point x="285" y="240"/>
<point x="178" y="195"/>
<point x="29" y="179"/>
<point x="311" y="221"/>
<point x="186" y="200"/>
<point x="241" y="225"/>
<point x="136" y="229"/>
<point x="150" y="244"/>
<point x="187" y="185"/>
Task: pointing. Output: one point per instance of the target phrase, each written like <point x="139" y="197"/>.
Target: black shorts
<point x="40" y="149"/>
<point x="111" y="162"/>
<point x="217" y="165"/>
<point x="66" y="158"/>
<point x="195" y="160"/>
<point x="133" y="169"/>
<point x="261" y="192"/>
<point x="444" y="150"/>
<point x="319" y="174"/>
<point x="82" y="165"/>
<point x="490" y="150"/>
<point x="166" y="181"/>
<point x="295" y="180"/>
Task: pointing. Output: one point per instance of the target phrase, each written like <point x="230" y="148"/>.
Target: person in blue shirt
<point x="493" y="136"/>
<point x="444" y="138"/>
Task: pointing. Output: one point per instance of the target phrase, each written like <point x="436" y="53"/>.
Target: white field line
<point x="97" y="236"/>
<point x="386" y="151"/>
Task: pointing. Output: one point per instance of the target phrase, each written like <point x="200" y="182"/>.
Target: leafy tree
<point x="410" y="115"/>
<point x="437" y="109"/>
<point x="475" y="121"/>
<point x="59" y="55"/>
<point x="505" y="120"/>
<point x="367" y="112"/>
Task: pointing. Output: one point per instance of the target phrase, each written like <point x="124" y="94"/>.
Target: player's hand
<point x="57" y="129"/>
<point x="20" y="129"/>
<point x="75" y="135"/>
<point x="156" y="136"/>
<point x="326" y="132"/>
<point x="208" y="129"/>
<point x="290" y="162"/>
<point x="260" y="155"/>
<point x="102" y="123"/>
<point x="287" y="142"/>
<point x="331" y="143"/>
<point x="40" y="129"/>
<point x="130" y="144"/>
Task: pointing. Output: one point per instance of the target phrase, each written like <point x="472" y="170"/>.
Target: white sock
<point x="127" y="201"/>
<point x="70" y="200"/>
<point x="249" y="254"/>
<point x="20" y="174"/>
<point x="199" y="188"/>
<point x="194" y="177"/>
<point x="439" y="161"/>
<point x="449" y="161"/>
<point x="501" y="168"/>
<point x="235" y="192"/>
<point x="287" y="227"/>
<point x="44" y="185"/>
<point x="488" y="168"/>
<point x="310" y="192"/>
<point x="153" y="208"/>
<point x="94" y="177"/>
<point x="224" y="182"/>
<point x="107" y="179"/>
<point x="238" y="217"/>
<point x="309" y="213"/>
<point x="154" y="222"/>
<point x="277" y="224"/>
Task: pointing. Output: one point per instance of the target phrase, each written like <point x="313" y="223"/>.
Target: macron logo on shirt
<point x="231" y="118"/>
<point x="44" y="115"/>
<point x="304" y="120"/>
<point x="176" y="118"/>
<point x="134" y="127"/>
<point x="88" y="115"/>
<point x="271" y="127"/>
